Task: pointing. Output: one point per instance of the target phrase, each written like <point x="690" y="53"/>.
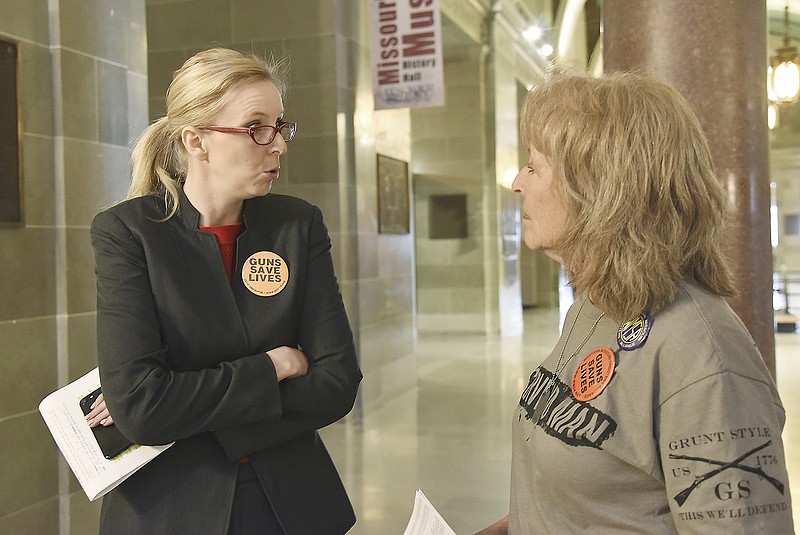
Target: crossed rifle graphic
<point x="683" y="495"/>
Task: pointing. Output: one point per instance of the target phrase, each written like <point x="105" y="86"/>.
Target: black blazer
<point x="181" y="357"/>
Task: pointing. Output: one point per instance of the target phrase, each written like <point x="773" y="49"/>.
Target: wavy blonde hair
<point x="633" y="168"/>
<point x="194" y="98"/>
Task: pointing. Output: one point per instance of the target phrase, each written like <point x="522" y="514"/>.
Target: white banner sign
<point x="406" y="52"/>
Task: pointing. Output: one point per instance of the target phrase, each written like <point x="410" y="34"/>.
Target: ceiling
<point x="794" y="5"/>
<point x="775" y="10"/>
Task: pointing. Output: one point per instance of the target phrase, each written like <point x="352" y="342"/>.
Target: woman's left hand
<point x="99" y="414"/>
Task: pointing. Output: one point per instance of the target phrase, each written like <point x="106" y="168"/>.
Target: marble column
<point x="714" y="52"/>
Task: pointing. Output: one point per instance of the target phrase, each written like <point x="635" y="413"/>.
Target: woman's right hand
<point x="288" y="361"/>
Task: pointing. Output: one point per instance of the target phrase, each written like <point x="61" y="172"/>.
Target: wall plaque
<point x="10" y="186"/>
<point x="393" y="204"/>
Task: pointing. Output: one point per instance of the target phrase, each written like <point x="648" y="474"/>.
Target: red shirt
<point x="226" y="238"/>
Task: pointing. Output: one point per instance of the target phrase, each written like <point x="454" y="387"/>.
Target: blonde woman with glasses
<point x="220" y="324"/>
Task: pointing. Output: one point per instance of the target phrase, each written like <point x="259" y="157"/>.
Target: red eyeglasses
<point x="262" y="134"/>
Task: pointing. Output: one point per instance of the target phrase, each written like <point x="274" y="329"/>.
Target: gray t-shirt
<point x="685" y="437"/>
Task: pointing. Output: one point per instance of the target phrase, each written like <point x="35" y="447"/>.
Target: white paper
<point x="96" y="474"/>
<point x="425" y="519"/>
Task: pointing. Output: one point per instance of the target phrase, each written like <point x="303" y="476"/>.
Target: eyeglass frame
<point x="251" y="131"/>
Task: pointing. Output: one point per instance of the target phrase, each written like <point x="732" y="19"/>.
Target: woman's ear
<point x="194" y="142"/>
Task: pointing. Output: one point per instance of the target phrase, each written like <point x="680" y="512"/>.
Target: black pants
<point x="252" y="513"/>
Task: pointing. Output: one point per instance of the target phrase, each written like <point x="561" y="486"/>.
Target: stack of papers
<point x="96" y="474"/>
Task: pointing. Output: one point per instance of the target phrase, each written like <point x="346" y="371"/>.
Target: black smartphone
<point x="111" y="441"/>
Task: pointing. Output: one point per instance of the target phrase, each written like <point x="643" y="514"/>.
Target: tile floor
<point x="451" y="435"/>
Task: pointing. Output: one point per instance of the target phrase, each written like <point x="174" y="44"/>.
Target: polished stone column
<point x="714" y="52"/>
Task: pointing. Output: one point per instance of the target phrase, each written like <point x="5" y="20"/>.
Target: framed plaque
<point x="447" y="217"/>
<point x="393" y="202"/>
<point x="10" y="175"/>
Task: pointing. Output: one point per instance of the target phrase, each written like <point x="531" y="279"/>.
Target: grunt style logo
<point x="573" y="422"/>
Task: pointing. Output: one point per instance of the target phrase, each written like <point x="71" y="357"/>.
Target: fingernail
<point x="103" y="422"/>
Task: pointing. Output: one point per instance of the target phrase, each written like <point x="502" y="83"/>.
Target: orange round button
<point x="265" y="273"/>
<point x="593" y="374"/>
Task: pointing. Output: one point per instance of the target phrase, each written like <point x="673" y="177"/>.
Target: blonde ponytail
<point x="158" y="164"/>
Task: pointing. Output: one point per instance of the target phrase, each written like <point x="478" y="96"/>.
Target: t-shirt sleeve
<point x="723" y="458"/>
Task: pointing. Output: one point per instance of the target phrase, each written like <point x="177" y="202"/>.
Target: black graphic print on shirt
<point x="573" y="422"/>
<point x="707" y="477"/>
<point x="739" y="485"/>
